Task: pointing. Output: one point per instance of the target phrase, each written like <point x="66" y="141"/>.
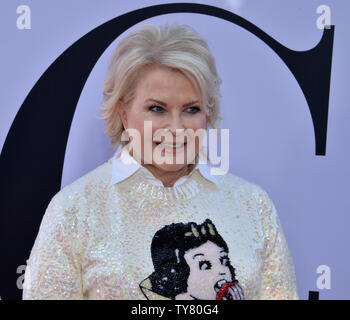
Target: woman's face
<point x="168" y="99"/>
<point x="209" y="270"/>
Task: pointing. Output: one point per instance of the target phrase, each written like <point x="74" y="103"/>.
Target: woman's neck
<point x="169" y="178"/>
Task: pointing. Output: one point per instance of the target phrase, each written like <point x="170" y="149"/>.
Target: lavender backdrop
<point x="271" y="134"/>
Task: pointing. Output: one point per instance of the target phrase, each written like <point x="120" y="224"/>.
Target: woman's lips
<point x="172" y="148"/>
<point x="228" y="290"/>
<point x="219" y="284"/>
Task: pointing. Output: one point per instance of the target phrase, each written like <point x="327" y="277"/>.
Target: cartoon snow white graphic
<point x="191" y="263"/>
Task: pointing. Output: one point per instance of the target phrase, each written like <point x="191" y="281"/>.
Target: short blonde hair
<point x="174" y="46"/>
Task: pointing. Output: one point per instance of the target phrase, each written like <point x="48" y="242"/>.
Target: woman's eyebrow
<point x="164" y="104"/>
<point x="198" y="254"/>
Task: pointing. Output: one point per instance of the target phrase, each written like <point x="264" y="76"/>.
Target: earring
<point x="125" y="136"/>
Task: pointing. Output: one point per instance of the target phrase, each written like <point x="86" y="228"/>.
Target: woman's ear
<point x="122" y="113"/>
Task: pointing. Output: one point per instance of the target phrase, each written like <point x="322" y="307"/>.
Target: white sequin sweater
<point x="95" y="240"/>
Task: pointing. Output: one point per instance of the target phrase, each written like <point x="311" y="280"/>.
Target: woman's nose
<point x="175" y="123"/>
<point x="222" y="270"/>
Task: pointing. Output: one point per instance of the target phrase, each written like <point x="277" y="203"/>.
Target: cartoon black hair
<point x="168" y="247"/>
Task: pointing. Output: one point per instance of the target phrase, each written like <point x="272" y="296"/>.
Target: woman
<point x="162" y="89"/>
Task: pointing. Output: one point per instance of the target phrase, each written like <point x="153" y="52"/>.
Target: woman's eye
<point x="204" y="265"/>
<point x="193" y="109"/>
<point x="156" y="109"/>
<point x="225" y="261"/>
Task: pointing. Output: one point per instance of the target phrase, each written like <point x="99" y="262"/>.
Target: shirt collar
<point x="124" y="165"/>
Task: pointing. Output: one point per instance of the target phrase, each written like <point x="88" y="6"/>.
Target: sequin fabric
<point x="94" y="240"/>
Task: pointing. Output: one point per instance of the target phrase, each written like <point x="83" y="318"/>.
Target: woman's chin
<point x="173" y="162"/>
<point x="171" y="167"/>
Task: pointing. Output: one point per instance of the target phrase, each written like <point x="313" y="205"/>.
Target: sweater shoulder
<point x="88" y="186"/>
<point x="236" y="188"/>
<point x="234" y="183"/>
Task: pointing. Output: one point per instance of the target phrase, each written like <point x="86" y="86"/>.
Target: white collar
<point x="124" y="165"/>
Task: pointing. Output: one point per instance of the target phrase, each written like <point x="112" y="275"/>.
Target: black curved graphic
<point x="31" y="160"/>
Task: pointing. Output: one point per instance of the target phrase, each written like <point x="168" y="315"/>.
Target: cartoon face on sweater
<point x="191" y="263"/>
<point x="210" y="268"/>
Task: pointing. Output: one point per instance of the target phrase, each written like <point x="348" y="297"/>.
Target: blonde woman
<point x="161" y="94"/>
